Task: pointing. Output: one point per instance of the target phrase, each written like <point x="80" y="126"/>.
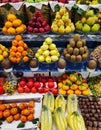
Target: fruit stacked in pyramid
<point x="62" y="23"/>
<point x="13" y="25"/>
<point x="19" y="51"/>
<point x="3" y="52"/>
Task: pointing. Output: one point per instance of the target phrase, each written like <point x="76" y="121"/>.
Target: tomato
<point x="54" y="91"/>
<point x="51" y="84"/>
<point x="37" y="84"/>
<point x="33" y="90"/>
<point x="41" y="90"/>
<point x="1" y="90"/>
<point x="22" y="83"/>
<point x="26" y="90"/>
<point x="20" y="89"/>
<point x="46" y="90"/>
<point x="30" y="84"/>
<point x="50" y="80"/>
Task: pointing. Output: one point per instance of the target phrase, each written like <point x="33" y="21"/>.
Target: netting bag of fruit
<point x="31" y="8"/>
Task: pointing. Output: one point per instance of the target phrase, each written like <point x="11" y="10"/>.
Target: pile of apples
<point x="37" y="24"/>
<point x="37" y="85"/>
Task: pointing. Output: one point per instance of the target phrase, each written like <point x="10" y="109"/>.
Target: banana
<point x="77" y="121"/>
<point x="48" y="101"/>
<point x="46" y="118"/>
<point x="60" y="119"/>
<point x="60" y="102"/>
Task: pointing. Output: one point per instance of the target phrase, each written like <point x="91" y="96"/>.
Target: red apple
<point x="37" y="85"/>
<point x="41" y="90"/>
<point x="51" y="79"/>
<point x="30" y="84"/>
<point x="33" y="90"/>
<point x="44" y="23"/>
<point x="5" y="1"/>
<point x="47" y="28"/>
<point x="39" y="19"/>
<point x="35" y="30"/>
<point x="62" y="1"/>
<point x="30" y="79"/>
<point x="1" y="90"/>
<point x="50" y="84"/>
<point x="34" y="19"/>
<point x="38" y="13"/>
<point x="27" y="90"/>
<point x="54" y="91"/>
<point x="41" y="30"/>
<point x="22" y="83"/>
<point x="46" y="90"/>
<point x="43" y="80"/>
<point x="30" y="29"/>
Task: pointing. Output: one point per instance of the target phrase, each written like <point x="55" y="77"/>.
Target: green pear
<point x="96" y="18"/>
<point x="48" y="40"/>
<point x="72" y="27"/>
<point x="41" y="58"/>
<point x="40" y="51"/>
<point x="89" y="13"/>
<point x="95" y="28"/>
<point x="90" y="21"/>
<point x="37" y="55"/>
<point x="52" y="46"/>
<point x="54" y="28"/>
<point x="83" y="20"/>
<point x="65" y="18"/>
<point x="60" y="22"/>
<point x="79" y="25"/>
<point x="86" y="28"/>
<point x="58" y="16"/>
<point x="62" y="10"/>
<point x="61" y="29"/>
<point x="68" y="29"/>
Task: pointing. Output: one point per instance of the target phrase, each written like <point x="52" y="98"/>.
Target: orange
<point x="8" y="106"/>
<point x="31" y="104"/>
<point x="13" y="105"/>
<point x="9" y="119"/>
<point x="23" y="118"/>
<point x="24" y="26"/>
<point x="26" y="112"/>
<point x="31" y="110"/>
<point x="20" y="49"/>
<point x="8" y="24"/>
<point x="11" y="30"/>
<point x="11" y="17"/>
<point x="30" y="117"/>
<point x="70" y="92"/>
<point x="13" y="59"/>
<point x="65" y="87"/>
<point x="4" y="29"/>
<point x="14" y="43"/>
<point x="24" y="53"/>
<point x="17" y="116"/>
<point x="18" y="59"/>
<point x="14" y="111"/>
<point x="1" y="114"/>
<point x="2" y="107"/>
<point x="19" y="29"/>
<point x="25" y="58"/>
<point x="60" y="85"/>
<point x="18" y="54"/>
<point x="21" y="43"/>
<point x="12" y="53"/>
<point x="14" y="48"/>
<point x="18" y="37"/>
<point x="21" y="106"/>
<point x="77" y="92"/>
<point x="25" y="46"/>
<point x="61" y="91"/>
<point x="17" y="22"/>
<point x="6" y="113"/>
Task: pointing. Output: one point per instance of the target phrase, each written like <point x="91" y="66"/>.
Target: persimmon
<point x="13" y="59"/>
<point x="21" y="43"/>
<point x="6" y="113"/>
<point x="12" y="53"/>
<point x="1" y="114"/>
<point x="30" y="117"/>
<point x="18" y="37"/>
<point x="70" y="92"/>
<point x="8" y="106"/>
<point x="25" y="58"/>
<point x="14" y="111"/>
<point x="9" y="119"/>
<point x="13" y="105"/>
<point x="21" y="106"/>
<point x="20" y="49"/>
<point x="2" y="107"/>
<point x="25" y="46"/>
<point x="18" y="54"/>
<point x="14" y="42"/>
<point x="31" y="104"/>
<point x="18" y="59"/>
<point x="26" y="112"/>
<point x="17" y="116"/>
<point x="24" y="53"/>
<point x="77" y="92"/>
<point x="23" y="118"/>
<point x="32" y="110"/>
<point x="14" y="48"/>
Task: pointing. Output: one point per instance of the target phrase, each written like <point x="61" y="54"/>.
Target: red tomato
<point x="30" y="84"/>
<point x="46" y="90"/>
<point x="37" y="84"/>
<point x="27" y="90"/>
<point x="54" y="91"/>
<point x="33" y="90"/>
<point x="20" y="89"/>
<point x="51" y="84"/>
<point x="41" y="90"/>
<point x="22" y="83"/>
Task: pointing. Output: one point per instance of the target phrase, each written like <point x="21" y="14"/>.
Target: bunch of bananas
<point x="76" y="122"/>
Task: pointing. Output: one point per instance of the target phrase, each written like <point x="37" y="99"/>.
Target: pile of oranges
<point x="19" y="52"/>
<point x="13" y="25"/>
<point x="23" y="111"/>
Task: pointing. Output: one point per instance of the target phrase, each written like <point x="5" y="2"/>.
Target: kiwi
<point x="68" y="56"/>
<point x="65" y="51"/>
<point x="70" y="50"/>
<point x="84" y="42"/>
<point x="73" y="58"/>
<point x="79" y="58"/>
<point x="84" y="56"/>
<point x="81" y="50"/>
<point x="79" y="44"/>
<point x="76" y="51"/>
<point x="72" y="42"/>
<point x="76" y="37"/>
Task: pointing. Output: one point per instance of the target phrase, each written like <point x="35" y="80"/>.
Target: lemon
<point x="11" y="30"/>
<point x="1" y="57"/>
<point x="11" y="17"/>
<point x="5" y="54"/>
<point x="8" y="24"/>
<point x="4" y="29"/>
<point x="17" y="22"/>
<point x="19" y="29"/>
<point x="0" y="51"/>
<point x="3" y="48"/>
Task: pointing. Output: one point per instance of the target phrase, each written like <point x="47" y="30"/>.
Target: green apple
<point x="54" y="58"/>
<point x="41" y="58"/>
<point x="48" y="59"/>
<point x="52" y="46"/>
<point x="86" y="28"/>
<point x="46" y="53"/>
<point x="48" y="40"/>
<point x="40" y="51"/>
<point x="44" y="47"/>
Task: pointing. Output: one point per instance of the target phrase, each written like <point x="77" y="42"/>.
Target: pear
<point x="54" y="28"/>
<point x="62" y="10"/>
<point x="58" y="16"/>
<point x="53" y="52"/>
<point x="52" y="46"/>
<point x="90" y="21"/>
<point x="60" y="22"/>
<point x="48" y="59"/>
<point x="68" y="29"/>
<point x="79" y="25"/>
<point x="65" y="18"/>
<point x="61" y="29"/>
<point x="37" y="55"/>
<point x="83" y="20"/>
<point x="95" y="18"/>
<point x="86" y="28"/>
<point x="46" y="53"/>
<point x="72" y="27"/>
<point x="95" y="28"/>
<point x="54" y="58"/>
<point x="89" y="13"/>
<point x="41" y="58"/>
<point x="48" y="40"/>
<point x="40" y="51"/>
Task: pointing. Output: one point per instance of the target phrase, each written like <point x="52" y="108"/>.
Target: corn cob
<point x="48" y="101"/>
<point x="60" y="119"/>
<point x="77" y="122"/>
<point x="60" y="102"/>
<point x="46" y="118"/>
